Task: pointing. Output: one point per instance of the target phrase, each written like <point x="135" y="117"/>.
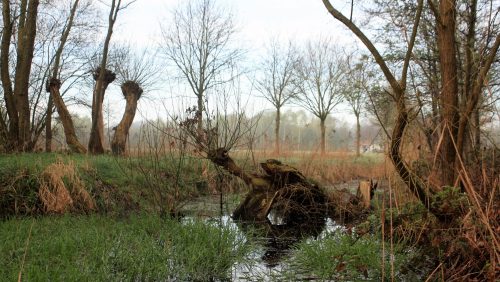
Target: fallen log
<point x="290" y="195"/>
<point x="282" y="189"/>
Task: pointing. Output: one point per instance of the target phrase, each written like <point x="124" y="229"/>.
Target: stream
<point x="273" y="242"/>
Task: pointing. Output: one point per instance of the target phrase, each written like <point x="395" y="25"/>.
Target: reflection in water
<point x="274" y="242"/>
<point x="278" y="239"/>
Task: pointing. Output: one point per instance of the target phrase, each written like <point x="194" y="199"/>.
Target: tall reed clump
<point x="473" y="246"/>
<point x="61" y="189"/>
<point x="466" y="246"/>
<point x="28" y="189"/>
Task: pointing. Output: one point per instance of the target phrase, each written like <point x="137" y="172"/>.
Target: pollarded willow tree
<point x="198" y="41"/>
<point x="103" y="77"/>
<point x="319" y="81"/>
<point x="136" y="73"/>
<point x="275" y="80"/>
<point x="47" y="42"/>
<point x="53" y="87"/>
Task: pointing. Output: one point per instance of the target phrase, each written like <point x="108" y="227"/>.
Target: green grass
<point x="139" y="180"/>
<point x="97" y="248"/>
<point x="114" y="170"/>
<point x="341" y="257"/>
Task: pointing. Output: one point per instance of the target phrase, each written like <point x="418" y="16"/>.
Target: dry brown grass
<point x="62" y="190"/>
<point x="468" y="246"/>
<point x="331" y="168"/>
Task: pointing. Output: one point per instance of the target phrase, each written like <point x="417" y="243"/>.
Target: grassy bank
<point x="32" y="184"/>
<point x="153" y="183"/>
<point x="97" y="248"/>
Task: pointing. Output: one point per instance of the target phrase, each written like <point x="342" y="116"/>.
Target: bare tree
<point x="103" y="78"/>
<point x="54" y="85"/>
<point x="48" y="32"/>
<point x="136" y="73"/>
<point x="275" y="80"/>
<point x="319" y="81"/>
<point x="451" y="119"/>
<point x="355" y="92"/>
<point x="198" y="42"/>
<point x="16" y="95"/>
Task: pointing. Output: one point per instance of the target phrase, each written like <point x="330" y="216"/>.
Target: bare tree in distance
<point x="275" y="80"/>
<point x="136" y="73"/>
<point x="355" y="92"/>
<point x="320" y="74"/>
<point x="198" y="41"/>
<point x="103" y="78"/>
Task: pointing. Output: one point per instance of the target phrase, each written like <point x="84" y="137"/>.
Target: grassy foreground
<point x="118" y="235"/>
<point x="98" y="248"/>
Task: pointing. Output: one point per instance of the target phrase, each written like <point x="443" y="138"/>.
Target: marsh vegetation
<point x="191" y="184"/>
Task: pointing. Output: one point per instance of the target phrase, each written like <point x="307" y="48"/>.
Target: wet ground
<point x="273" y="241"/>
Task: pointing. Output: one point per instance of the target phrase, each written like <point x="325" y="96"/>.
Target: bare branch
<point x="373" y="50"/>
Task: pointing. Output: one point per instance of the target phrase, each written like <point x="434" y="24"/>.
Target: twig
<point x="25" y="251"/>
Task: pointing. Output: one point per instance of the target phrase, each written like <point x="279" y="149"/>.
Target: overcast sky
<point x="257" y="21"/>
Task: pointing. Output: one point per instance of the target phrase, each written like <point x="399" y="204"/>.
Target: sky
<point x="257" y="22"/>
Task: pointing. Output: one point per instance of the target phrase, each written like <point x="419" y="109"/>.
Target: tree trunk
<point x="200" y="112"/>
<point x="100" y="121"/>
<point x="449" y="94"/>
<point x="475" y="95"/>
<point x="48" y="126"/>
<point x="323" y="136"/>
<point x="132" y="92"/>
<point x="281" y="187"/>
<point x="8" y="94"/>
<point x="25" y="49"/>
<point x="358" y="136"/>
<point x="476" y="130"/>
<point x="3" y="131"/>
<point x="277" y="131"/>
<point x="103" y="78"/>
<point x="53" y="86"/>
<point x="96" y="145"/>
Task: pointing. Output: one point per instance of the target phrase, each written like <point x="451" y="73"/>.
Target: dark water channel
<point x="275" y="244"/>
<point x="272" y="242"/>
